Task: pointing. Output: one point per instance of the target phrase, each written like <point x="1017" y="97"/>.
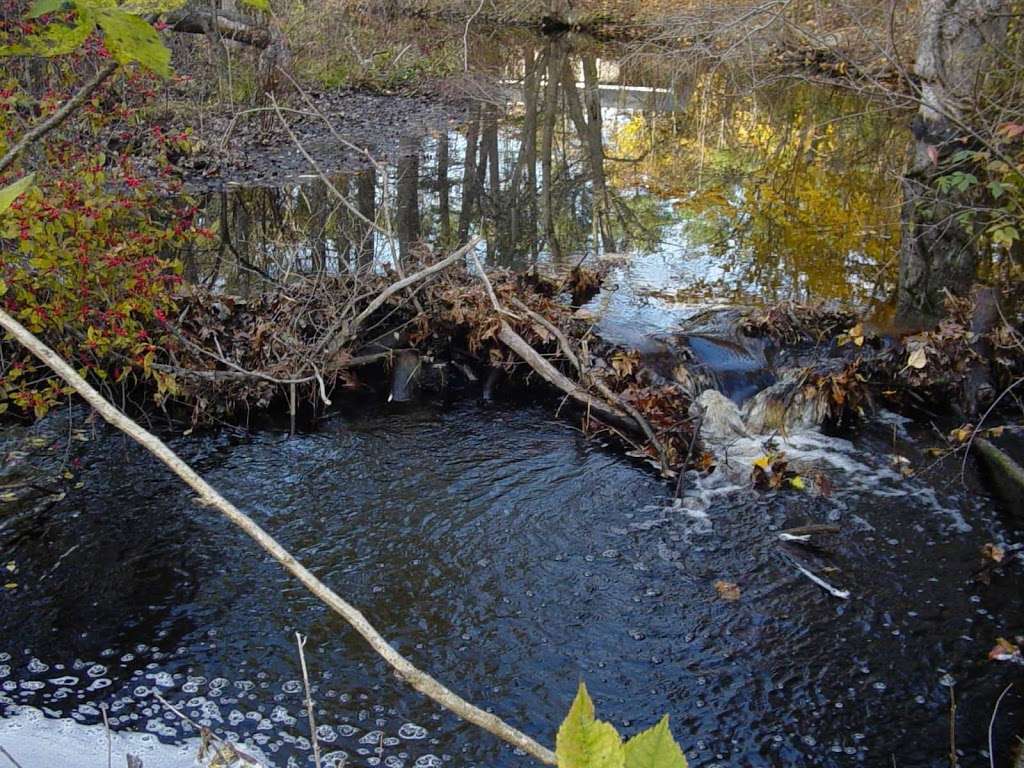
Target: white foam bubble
<point x="37" y="741"/>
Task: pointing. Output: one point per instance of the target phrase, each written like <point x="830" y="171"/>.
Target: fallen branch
<point x="300" y="640"/>
<point x="337" y="336"/>
<point x="229" y="27"/>
<point x="587" y="377"/>
<point x="553" y="376"/>
<point x="209" y="496"/>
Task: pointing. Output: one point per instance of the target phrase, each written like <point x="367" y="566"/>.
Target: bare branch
<point x="209" y="496"/>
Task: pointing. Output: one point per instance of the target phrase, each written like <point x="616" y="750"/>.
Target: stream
<point x="496" y="546"/>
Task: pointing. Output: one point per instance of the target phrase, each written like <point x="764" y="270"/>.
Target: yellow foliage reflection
<point x="792" y="192"/>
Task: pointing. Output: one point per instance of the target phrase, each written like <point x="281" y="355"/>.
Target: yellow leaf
<point x="727" y="590"/>
<point x="961" y="434"/>
<point x="917" y="359"/>
<point x="856" y="334"/>
<point x="991" y="552"/>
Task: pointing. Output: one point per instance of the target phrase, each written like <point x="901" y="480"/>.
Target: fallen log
<point x="228" y="26"/>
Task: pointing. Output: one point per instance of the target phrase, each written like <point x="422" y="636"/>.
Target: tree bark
<point x="956" y="49"/>
<point x="229" y="26"/>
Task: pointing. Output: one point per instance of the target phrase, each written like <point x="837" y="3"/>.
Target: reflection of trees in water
<point x="789" y="193"/>
<point x="776" y="185"/>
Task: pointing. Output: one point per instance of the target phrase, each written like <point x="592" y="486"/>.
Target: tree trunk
<point x="444" y="211"/>
<point x="957" y="45"/>
<point x="469" y="180"/>
<point x="408" y="195"/>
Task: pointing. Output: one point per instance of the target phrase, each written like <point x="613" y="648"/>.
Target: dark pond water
<point x="502" y="551"/>
<point x="512" y="558"/>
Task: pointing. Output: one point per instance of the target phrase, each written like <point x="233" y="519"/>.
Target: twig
<point x="465" y="37"/>
<point x="301" y="642"/>
<point x="991" y="725"/>
<point x="209" y="496"/>
<point x="208" y="734"/>
<point x="340" y="333"/>
<point x="842" y="594"/>
<point x="110" y="745"/>
<point x="57" y="118"/>
<point x="9" y="757"/>
<point x="689" y="455"/>
<point x="952" y="729"/>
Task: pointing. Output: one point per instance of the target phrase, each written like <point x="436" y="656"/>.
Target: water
<point x="502" y="551"/>
<point x="511" y="558"/>
<point x="712" y="188"/>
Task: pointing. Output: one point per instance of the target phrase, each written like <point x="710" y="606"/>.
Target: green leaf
<point x="54" y="40"/>
<point x="1005" y="236"/>
<point x="259" y="5"/>
<point x="42" y="7"/>
<point x="654" y="748"/>
<point x="130" y="38"/>
<point x="999" y="188"/>
<point x="584" y="742"/>
<point x="10" y="193"/>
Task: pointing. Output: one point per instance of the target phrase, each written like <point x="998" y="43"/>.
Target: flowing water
<point x="500" y="549"/>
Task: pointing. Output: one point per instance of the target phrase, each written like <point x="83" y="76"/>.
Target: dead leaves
<point x="1004" y="650"/>
<point x="625" y="363"/>
<point x="917" y="358"/>
<point x="792" y="324"/>
<point x="771" y="473"/>
<point x="727" y="590"/>
<point x="854" y="335"/>
<point x="993" y="553"/>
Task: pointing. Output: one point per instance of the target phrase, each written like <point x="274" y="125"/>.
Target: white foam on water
<point x="852" y="472"/>
<point x="37" y="741"/>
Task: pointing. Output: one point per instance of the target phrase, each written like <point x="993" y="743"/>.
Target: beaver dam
<point x="585" y="371"/>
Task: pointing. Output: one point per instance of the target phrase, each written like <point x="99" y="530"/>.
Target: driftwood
<point x="842" y="594"/>
<point x="227" y="25"/>
<point x="612" y="409"/>
<point x="1007" y="475"/>
<point x="555" y="377"/>
<point x="209" y="496"/>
